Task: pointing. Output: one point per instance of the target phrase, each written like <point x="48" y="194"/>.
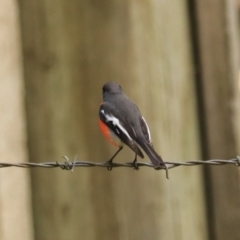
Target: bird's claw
<point x="109" y="162"/>
<point x="135" y="165"/>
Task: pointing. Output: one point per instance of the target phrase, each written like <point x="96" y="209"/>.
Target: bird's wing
<point x="122" y="129"/>
<point x="145" y="130"/>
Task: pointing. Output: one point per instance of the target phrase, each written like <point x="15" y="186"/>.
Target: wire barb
<point x="74" y="163"/>
<point x="238" y="162"/>
<point x="67" y="165"/>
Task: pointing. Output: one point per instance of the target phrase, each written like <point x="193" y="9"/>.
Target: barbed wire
<point x="68" y="165"/>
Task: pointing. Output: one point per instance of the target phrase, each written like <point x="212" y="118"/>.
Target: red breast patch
<point x="107" y="133"/>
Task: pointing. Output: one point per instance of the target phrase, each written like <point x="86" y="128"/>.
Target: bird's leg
<point x="109" y="168"/>
<point x="134" y="163"/>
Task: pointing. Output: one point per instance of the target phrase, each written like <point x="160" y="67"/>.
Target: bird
<point x="122" y="123"/>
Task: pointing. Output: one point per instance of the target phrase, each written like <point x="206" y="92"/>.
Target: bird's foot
<point x="135" y="165"/>
<point x="109" y="163"/>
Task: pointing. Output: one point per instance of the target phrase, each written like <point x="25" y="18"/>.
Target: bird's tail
<point x="152" y="154"/>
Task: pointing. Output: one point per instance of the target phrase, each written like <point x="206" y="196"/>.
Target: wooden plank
<point x="71" y="49"/>
<point x="219" y="53"/>
<point x="15" y="198"/>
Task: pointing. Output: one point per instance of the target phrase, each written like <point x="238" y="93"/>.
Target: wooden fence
<point x="178" y="60"/>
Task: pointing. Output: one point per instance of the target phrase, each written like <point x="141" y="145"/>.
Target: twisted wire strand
<point x="68" y="165"/>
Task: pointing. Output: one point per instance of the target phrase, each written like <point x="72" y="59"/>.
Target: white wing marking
<point x="149" y="134"/>
<point x="116" y="122"/>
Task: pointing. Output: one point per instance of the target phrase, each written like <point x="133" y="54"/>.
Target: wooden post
<point x="71" y="49"/>
<point x="219" y="66"/>
<point x="15" y="198"/>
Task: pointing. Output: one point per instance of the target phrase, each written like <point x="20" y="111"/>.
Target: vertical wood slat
<point x="219" y="66"/>
<point x="15" y="198"/>
<point x="71" y="48"/>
